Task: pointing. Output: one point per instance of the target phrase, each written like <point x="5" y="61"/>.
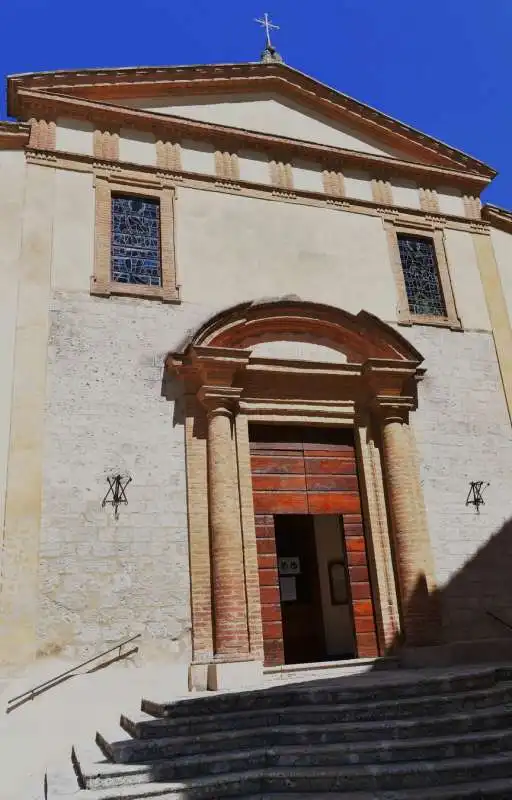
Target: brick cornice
<point x="329" y="390"/>
<point x="119" y="84"/>
<point x="14" y="135"/>
<point x="498" y="217"/>
<point x="213" y="368"/>
<point x="151" y="175"/>
<point x="224" y="137"/>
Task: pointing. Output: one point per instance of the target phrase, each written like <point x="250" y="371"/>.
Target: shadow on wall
<point x="172" y="390"/>
<point x="475" y="606"/>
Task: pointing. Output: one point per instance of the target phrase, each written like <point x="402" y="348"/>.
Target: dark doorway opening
<point x="316" y="611"/>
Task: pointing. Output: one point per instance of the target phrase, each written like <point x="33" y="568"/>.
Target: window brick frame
<point x="435" y="232"/>
<point x="116" y="183"/>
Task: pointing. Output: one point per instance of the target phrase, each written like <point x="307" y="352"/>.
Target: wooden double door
<point x="299" y="475"/>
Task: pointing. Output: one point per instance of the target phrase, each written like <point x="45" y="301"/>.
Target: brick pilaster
<point x="42" y="134"/>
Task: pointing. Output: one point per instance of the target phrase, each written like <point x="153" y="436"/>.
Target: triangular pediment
<point x="271" y="113"/>
<point x="270" y="99"/>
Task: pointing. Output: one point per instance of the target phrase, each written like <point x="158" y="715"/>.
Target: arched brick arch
<point x="360" y="337"/>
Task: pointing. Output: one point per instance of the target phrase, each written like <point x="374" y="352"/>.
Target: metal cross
<point x="475" y="494"/>
<point x="268" y="25"/>
<point x="117" y="488"/>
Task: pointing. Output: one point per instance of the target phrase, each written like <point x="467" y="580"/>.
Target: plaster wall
<point x="12" y="188"/>
<point x="253" y="167"/>
<point x="74" y="136"/>
<point x="502" y="245"/>
<point x="450" y="201"/>
<point x="267" y="113"/>
<point x="298" y="351"/>
<point x="137" y="147"/>
<point x="197" y="157"/>
<point x="466" y="280"/>
<point x="405" y="193"/>
<point x="21" y="529"/>
<point x="73" y="231"/>
<point x="232" y="248"/>
<point x="358" y="185"/>
<point x="308" y="177"/>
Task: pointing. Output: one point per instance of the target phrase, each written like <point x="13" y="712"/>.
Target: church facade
<point x="256" y="365"/>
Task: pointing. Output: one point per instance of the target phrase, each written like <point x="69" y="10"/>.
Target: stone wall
<point x="102" y="579"/>
<point x="463" y="434"/>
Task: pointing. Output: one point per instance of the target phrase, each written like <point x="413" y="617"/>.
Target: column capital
<point x="219" y="399"/>
<point x="392" y="409"/>
<point x="392" y="379"/>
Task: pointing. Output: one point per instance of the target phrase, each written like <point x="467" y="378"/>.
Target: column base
<point x="234" y="675"/>
<point x="198" y="677"/>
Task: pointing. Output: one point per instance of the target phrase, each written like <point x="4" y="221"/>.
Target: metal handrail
<point x="499" y="619"/>
<point x="51" y="681"/>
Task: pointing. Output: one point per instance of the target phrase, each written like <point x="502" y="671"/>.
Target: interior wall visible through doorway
<point x="337" y="616"/>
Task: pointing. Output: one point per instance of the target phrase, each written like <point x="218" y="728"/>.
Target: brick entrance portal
<point x="308" y="473"/>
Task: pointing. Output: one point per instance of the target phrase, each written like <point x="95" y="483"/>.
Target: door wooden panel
<point x="279" y="483"/>
<point x="329" y="483"/>
<point x="329" y="502"/>
<point x="280" y="503"/>
<point x="308" y="471"/>
<point x="330" y="466"/>
<point x="277" y="464"/>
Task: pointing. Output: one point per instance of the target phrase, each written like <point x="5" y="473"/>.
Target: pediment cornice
<point x="14" y="135"/>
<point x="498" y="217"/>
<point x="47" y="105"/>
<point x="118" y="84"/>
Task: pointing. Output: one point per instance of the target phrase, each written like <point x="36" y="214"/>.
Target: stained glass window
<point x="421" y="276"/>
<point x="135" y="247"/>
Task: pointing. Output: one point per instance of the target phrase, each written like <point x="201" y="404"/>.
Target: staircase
<point x="395" y="736"/>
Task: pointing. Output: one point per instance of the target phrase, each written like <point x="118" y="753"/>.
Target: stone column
<point x="231" y="635"/>
<point x="411" y="543"/>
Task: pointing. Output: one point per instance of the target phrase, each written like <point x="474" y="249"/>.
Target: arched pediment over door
<point x="359" y="337"/>
<point x="280" y="347"/>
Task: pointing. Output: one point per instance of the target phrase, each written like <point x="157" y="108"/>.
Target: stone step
<point x="492" y="790"/>
<point x="128" y="750"/>
<point x="327" y="712"/>
<point x="242" y="760"/>
<point x="328" y="669"/>
<point x="355" y="690"/>
<point x="394" y="778"/>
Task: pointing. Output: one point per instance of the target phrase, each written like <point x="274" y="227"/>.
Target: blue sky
<point x="443" y="66"/>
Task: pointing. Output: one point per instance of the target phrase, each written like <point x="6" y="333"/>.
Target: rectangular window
<point x="135" y="243"/>
<point x="134" y="251"/>
<point x="421" y="276"/>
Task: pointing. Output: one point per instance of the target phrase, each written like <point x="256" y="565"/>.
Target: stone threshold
<point x="384" y="662"/>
